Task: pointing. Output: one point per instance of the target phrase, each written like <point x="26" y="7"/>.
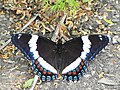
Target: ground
<point x="103" y="72"/>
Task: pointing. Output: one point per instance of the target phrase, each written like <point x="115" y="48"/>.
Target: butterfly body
<point x="51" y="60"/>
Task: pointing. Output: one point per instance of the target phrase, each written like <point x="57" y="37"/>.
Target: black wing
<point x="91" y="45"/>
<point x="41" y="51"/>
<point x="98" y="42"/>
<point x="44" y="46"/>
<point x="78" y="51"/>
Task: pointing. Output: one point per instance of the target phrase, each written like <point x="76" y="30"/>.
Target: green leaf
<point x="108" y="21"/>
<point x="85" y="1"/>
<point x="28" y="83"/>
<point x="65" y="5"/>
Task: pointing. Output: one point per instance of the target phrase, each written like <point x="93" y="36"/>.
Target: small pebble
<point x="101" y="75"/>
<point x="93" y="72"/>
<point x="116" y="40"/>
<point x="87" y="75"/>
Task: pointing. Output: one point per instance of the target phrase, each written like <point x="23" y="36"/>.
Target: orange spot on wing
<point x="69" y="73"/>
<point x="74" y="73"/>
<point x="40" y="69"/>
<point x="49" y="73"/>
<point x="38" y="66"/>
<point x="80" y="67"/>
<point x="78" y="70"/>
<point x="36" y="62"/>
<point x="82" y="63"/>
<point x="44" y="72"/>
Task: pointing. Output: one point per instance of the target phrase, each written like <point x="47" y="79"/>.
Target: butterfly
<point x="66" y="61"/>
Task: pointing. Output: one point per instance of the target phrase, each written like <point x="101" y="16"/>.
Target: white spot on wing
<point x="46" y="65"/>
<point x="33" y="46"/>
<point x="19" y="35"/>
<point x="72" y="65"/>
<point x="100" y="36"/>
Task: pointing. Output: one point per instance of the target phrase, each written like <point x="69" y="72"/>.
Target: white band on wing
<point x="46" y="65"/>
<point x="33" y="46"/>
<point x="86" y="46"/>
<point x="72" y="66"/>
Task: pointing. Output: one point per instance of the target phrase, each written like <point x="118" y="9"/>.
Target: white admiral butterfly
<point x="51" y="60"/>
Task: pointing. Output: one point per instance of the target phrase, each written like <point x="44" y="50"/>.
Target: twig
<point x="65" y="37"/>
<point x="31" y="20"/>
<point x="55" y="35"/>
<point x="5" y="44"/>
<point x="34" y="82"/>
<point x="46" y="27"/>
<point x="20" y="31"/>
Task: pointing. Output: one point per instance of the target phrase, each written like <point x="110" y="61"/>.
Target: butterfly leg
<point x="34" y="82"/>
